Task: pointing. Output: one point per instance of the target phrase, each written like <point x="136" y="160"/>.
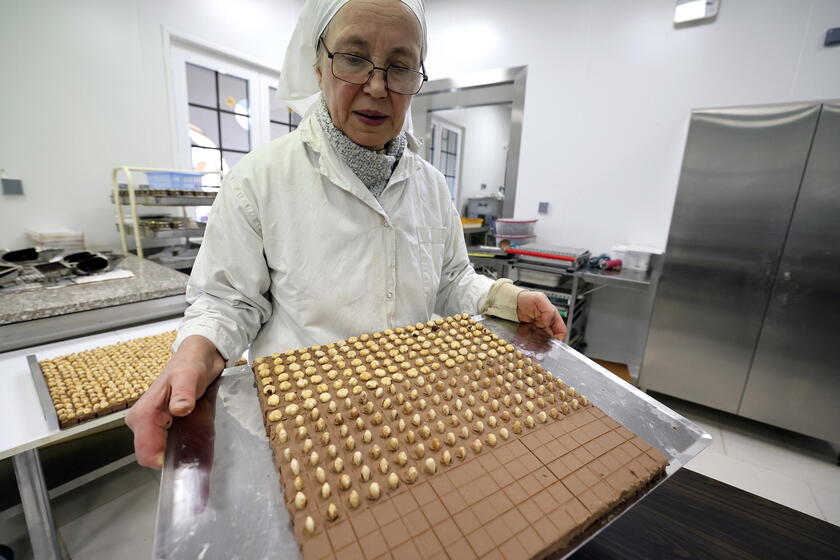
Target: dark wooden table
<point x="693" y="516"/>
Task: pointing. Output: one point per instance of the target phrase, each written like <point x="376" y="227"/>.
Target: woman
<point x="336" y="229"/>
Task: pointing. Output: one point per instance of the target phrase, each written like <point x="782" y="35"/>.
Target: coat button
<point x="389" y="295"/>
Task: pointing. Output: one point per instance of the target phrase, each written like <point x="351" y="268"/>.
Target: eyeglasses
<point x="357" y="70"/>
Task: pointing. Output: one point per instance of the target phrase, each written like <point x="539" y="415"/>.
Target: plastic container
<point x="635" y="257"/>
<point x="471" y="223"/>
<point x="174" y="180"/>
<point x="515" y="227"/>
<point x="505" y="241"/>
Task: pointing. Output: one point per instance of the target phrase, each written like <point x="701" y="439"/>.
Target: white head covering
<point x="298" y="86"/>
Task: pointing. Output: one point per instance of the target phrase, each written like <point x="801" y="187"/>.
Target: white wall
<point x="486" y="136"/>
<point x="84" y="90"/>
<point x="610" y="87"/>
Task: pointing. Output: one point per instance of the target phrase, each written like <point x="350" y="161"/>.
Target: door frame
<point x="454" y="93"/>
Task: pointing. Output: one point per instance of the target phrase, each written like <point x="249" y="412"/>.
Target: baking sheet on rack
<point x="220" y="495"/>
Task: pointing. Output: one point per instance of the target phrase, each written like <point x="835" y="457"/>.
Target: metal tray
<point x="220" y="495"/>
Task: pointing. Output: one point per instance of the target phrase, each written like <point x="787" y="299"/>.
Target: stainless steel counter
<point x="220" y="495"/>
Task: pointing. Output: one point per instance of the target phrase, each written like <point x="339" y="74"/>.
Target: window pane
<point x="233" y="94"/>
<point x="278" y="130"/>
<point x="295" y="118"/>
<point x="207" y="159"/>
<point x="201" y="85"/>
<point x="278" y="111"/>
<point x="235" y="134"/>
<point x="204" y="127"/>
<point x="229" y="159"/>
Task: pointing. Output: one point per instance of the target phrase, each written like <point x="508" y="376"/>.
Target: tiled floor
<point x="788" y="468"/>
<point x="114" y="516"/>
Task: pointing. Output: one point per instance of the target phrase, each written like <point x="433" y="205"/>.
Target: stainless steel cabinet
<point x="749" y="287"/>
<point x="795" y="379"/>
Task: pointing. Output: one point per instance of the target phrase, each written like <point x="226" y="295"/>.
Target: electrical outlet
<point x="543" y="208"/>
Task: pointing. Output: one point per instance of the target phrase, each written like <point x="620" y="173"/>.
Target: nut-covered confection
<point x="441" y="436"/>
<point x="97" y="382"/>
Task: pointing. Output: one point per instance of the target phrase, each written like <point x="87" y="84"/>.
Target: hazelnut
<point x="430" y="466"/>
<point x="300" y="500"/>
<point x="338" y="465"/>
<point x="353" y="499"/>
<point x="365" y="473"/>
<point x="476" y="445"/>
<point x="383" y="465"/>
<point x="309" y="525"/>
<point x="298" y="483"/>
<point x="332" y="512"/>
<point x="393" y="481"/>
<point x="461" y="452"/>
<point x="344" y="481"/>
<point x="402" y="458"/>
<point x="491" y="440"/>
<point x="320" y="475"/>
<point x="373" y="491"/>
<point x="410" y="475"/>
<point x="294" y="465"/>
<point x="446" y="457"/>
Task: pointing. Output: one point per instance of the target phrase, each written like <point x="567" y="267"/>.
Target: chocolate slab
<point x="94" y="383"/>
<point x="441" y="440"/>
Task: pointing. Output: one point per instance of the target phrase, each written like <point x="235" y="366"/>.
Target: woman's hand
<point x="534" y="307"/>
<point x="183" y="380"/>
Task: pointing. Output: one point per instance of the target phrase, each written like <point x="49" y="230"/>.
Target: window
<point x="220" y="120"/>
<point x="281" y="119"/>
<point x="224" y="107"/>
<point x="445" y="153"/>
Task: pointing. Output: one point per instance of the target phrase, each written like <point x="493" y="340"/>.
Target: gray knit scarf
<point x="373" y="168"/>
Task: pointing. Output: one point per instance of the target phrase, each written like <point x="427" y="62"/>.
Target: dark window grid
<point x="209" y="108"/>
<point x="219" y="112"/>
<point x="290" y="125"/>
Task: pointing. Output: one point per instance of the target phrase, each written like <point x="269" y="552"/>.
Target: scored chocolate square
<point x="441" y="440"/>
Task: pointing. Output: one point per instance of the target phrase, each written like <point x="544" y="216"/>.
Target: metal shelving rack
<point x="152" y="239"/>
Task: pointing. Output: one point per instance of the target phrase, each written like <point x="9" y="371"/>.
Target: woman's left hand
<point x="534" y="307"/>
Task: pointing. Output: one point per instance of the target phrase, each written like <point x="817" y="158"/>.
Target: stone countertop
<point x="150" y="281"/>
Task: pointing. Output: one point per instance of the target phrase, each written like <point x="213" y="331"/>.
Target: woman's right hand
<point x="183" y="380"/>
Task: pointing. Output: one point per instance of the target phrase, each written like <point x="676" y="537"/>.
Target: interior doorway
<point x="455" y="102"/>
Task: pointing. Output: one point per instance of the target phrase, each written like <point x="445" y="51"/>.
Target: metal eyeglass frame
<point x="330" y="55"/>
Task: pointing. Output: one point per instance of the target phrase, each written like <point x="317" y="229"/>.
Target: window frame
<point x="259" y="79"/>
<point x="438" y="125"/>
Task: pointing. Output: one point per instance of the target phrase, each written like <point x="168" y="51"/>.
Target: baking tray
<point x="48" y="408"/>
<point x="220" y="495"/>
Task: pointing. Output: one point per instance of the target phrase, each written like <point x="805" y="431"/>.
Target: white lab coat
<point x="298" y="252"/>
